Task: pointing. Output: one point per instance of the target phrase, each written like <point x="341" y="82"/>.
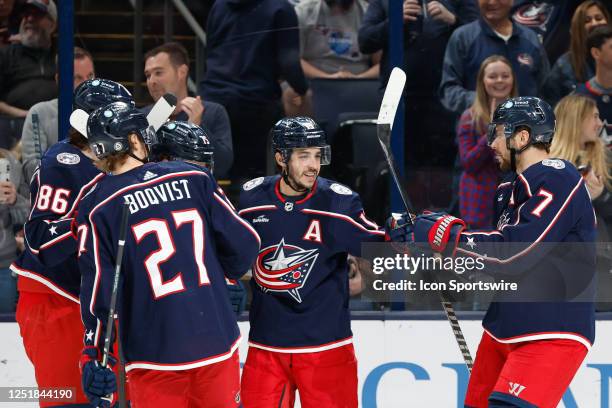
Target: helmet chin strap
<point x="291" y="183"/>
<point x="147" y="158"/>
<point x="514" y="152"/>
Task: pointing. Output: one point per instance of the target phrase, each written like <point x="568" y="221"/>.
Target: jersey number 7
<point x="167" y="250"/>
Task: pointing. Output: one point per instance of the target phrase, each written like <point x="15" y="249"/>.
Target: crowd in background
<point x="462" y="58"/>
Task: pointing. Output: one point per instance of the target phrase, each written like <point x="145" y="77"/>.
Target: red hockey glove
<point x="439" y="229"/>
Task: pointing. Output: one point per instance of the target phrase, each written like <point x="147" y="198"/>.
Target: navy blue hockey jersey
<point x="300" y="278"/>
<point x="544" y="241"/>
<point x="183" y="237"/>
<point x="63" y="177"/>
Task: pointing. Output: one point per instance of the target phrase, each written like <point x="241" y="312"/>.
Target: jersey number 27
<point x="167" y="250"/>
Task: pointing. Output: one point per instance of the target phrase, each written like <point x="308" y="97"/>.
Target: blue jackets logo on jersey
<point x="284" y="268"/>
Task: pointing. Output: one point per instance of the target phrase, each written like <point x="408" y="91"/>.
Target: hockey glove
<point x="237" y="294"/>
<point x="98" y="382"/>
<point x="441" y="230"/>
<point x="398" y="228"/>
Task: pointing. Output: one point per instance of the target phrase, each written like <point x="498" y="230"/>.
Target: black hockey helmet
<point x="534" y="113"/>
<point x="299" y="132"/>
<point x="108" y="129"/>
<point x="183" y="141"/>
<point x="95" y="93"/>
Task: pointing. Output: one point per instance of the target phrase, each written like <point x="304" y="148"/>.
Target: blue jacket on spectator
<point x="216" y="121"/>
<point x="470" y="44"/>
<point x="251" y="44"/>
<point x="562" y="79"/>
<point x="421" y="79"/>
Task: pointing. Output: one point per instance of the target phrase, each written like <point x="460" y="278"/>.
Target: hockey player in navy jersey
<point x="48" y="313"/>
<point x="177" y="329"/>
<point x="185" y="141"/>
<point x="544" y="240"/>
<point x="300" y="336"/>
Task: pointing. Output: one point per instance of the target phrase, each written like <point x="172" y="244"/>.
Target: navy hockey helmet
<point x="95" y="93"/>
<point x="108" y="128"/>
<point x="183" y="141"/>
<point x="529" y="111"/>
<point x="299" y="132"/>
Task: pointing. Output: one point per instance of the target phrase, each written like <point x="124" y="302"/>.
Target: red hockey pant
<point x="324" y="379"/>
<point x="526" y="374"/>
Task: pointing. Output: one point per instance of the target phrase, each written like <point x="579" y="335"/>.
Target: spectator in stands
<point x="6" y="7"/>
<point x="599" y="87"/>
<point x="493" y="34"/>
<point x="14" y="206"/>
<point x="328" y="45"/>
<point x="252" y="44"/>
<point x="40" y="127"/>
<point x="27" y="69"/>
<point x="429" y="127"/>
<point x="576" y="65"/>
<point x="495" y="82"/>
<point x="549" y="19"/>
<point x="167" y="70"/>
<point x="577" y="140"/>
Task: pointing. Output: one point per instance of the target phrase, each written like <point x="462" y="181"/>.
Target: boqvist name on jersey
<point x="161" y="193"/>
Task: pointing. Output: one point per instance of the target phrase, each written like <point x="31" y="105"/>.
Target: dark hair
<point x="79" y="53"/>
<point x="599" y="36"/>
<point x="578" y="50"/>
<point x="177" y="53"/>
<point x="76" y="139"/>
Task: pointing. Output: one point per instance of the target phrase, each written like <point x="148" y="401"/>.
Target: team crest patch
<point x="555" y="163"/>
<point x="284" y="268"/>
<point x="251" y="184"/>
<point x="340" y="189"/>
<point x="68" y="158"/>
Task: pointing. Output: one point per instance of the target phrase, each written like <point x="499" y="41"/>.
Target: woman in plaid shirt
<point x="495" y="83"/>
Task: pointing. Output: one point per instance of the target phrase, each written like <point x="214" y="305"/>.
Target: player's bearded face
<point x="502" y="154"/>
<point x="304" y="166"/>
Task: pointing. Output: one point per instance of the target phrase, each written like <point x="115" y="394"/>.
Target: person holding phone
<point x="13" y="211"/>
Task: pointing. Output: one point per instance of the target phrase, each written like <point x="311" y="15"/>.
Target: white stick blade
<point x="391" y="99"/>
<point x="161" y="111"/>
<point x="78" y="120"/>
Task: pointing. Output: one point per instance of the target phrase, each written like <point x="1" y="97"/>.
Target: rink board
<point x="402" y="363"/>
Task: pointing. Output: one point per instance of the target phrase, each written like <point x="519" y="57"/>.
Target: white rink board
<point x="416" y="350"/>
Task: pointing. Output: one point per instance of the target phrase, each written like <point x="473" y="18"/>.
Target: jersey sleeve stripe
<point x="258" y="208"/>
<point x="371" y="224"/>
<point x="237" y="217"/>
<point x="55" y="241"/>
<point x="542" y="235"/>
<point x="345" y="218"/>
<point x="526" y="183"/>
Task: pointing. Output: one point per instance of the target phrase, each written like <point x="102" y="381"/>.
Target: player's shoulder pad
<point x="554" y="175"/>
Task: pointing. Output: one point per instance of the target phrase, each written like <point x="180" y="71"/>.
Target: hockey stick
<point x="115" y="289"/>
<point x="158" y="115"/>
<point x="388" y="108"/>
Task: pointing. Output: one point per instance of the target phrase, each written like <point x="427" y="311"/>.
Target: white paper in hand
<point x="161" y="111"/>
